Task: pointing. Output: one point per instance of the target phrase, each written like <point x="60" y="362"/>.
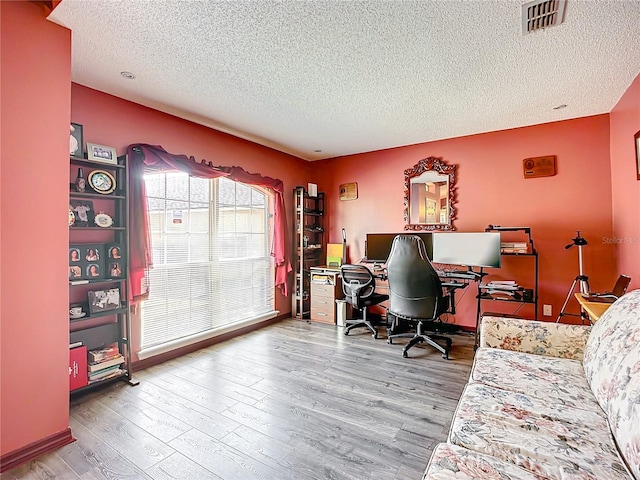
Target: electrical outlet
<point x="546" y="310"/>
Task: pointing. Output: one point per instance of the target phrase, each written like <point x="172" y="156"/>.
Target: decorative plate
<point x="103" y="220"/>
<point x="72" y="217"/>
<point x="101" y="181"/>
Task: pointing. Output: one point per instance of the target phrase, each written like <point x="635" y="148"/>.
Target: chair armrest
<point x="529" y="336"/>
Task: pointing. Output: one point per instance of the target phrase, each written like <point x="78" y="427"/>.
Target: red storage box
<point x="78" y="376"/>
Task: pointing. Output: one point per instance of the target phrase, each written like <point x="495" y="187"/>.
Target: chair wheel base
<point x="390" y="341"/>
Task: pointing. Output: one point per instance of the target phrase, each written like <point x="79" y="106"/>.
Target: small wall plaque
<point x="539" y="166"/>
<point x="349" y="191"/>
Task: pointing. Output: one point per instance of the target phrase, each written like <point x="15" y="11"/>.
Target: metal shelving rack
<point x="531" y="254"/>
<point x="308" y="247"/>
<point x="98" y="330"/>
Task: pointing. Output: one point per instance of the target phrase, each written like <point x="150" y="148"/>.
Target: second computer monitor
<point x="468" y="249"/>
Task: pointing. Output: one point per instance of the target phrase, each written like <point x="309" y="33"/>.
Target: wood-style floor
<point x="295" y="400"/>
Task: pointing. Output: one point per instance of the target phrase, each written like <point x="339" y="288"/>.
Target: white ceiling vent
<point x="542" y="14"/>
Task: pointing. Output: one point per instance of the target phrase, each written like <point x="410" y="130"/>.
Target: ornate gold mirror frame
<point x="429" y="195"/>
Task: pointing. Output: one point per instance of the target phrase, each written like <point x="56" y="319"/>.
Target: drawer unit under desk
<point x="324" y="292"/>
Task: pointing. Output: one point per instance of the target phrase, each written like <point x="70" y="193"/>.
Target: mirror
<point x="429" y="189"/>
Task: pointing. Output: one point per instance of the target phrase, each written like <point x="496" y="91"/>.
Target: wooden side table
<point x="593" y="309"/>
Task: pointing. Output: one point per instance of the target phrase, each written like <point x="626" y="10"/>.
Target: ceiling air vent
<point x="542" y="14"/>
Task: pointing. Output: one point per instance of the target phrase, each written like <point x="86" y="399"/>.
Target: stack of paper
<point x="504" y="287"/>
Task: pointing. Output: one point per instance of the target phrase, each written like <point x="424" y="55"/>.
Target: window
<point x="211" y="256"/>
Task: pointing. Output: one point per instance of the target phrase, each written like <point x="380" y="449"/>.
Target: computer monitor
<point x="469" y="249"/>
<point x="378" y="245"/>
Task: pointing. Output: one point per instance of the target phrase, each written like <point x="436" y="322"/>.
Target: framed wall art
<point x="101" y="153"/>
<point x="349" y="191"/>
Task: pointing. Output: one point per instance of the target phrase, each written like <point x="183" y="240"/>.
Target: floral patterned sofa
<point x="549" y="401"/>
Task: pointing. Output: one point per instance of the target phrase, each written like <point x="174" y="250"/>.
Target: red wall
<point x="108" y="120"/>
<point x="36" y="74"/>
<point x="625" y="122"/>
<point x="34" y="175"/>
<point x="491" y="190"/>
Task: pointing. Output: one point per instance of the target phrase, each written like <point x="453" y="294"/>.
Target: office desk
<point x="593" y="309"/>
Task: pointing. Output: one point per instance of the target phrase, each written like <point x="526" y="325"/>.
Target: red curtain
<point x="145" y="158"/>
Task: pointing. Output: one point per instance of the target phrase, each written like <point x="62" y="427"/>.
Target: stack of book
<point x="502" y="287"/>
<point x="514" y="247"/>
<point x="105" y="363"/>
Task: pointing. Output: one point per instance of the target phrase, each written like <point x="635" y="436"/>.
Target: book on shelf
<point x="75" y="345"/>
<point x="104" y="372"/>
<point x="100" y="354"/>
<point x="109" y="373"/>
<point x="514" y="250"/>
<point x="95" y="367"/>
<point x="514" y="244"/>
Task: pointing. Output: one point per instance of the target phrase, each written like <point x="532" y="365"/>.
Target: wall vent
<point x="542" y="14"/>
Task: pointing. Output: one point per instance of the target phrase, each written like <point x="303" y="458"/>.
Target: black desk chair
<point x="359" y="285"/>
<point x="415" y="293"/>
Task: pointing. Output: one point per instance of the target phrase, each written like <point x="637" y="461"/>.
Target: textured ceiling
<point x="347" y="77"/>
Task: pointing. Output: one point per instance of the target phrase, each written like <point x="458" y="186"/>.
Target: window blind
<point x="211" y="256"/>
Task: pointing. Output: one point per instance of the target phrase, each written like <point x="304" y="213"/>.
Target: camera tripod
<point x="580" y="279"/>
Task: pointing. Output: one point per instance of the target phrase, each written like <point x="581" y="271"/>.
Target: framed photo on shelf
<point x="83" y="213"/>
<point x="115" y="261"/>
<point x="104" y="300"/>
<point x="75" y="272"/>
<point x="92" y="256"/>
<point x="116" y="269"/>
<point x="114" y="252"/>
<point x="75" y="141"/>
<point x="93" y="252"/>
<point x="93" y="270"/>
<point x="74" y="255"/>
<point x="102" y="153"/>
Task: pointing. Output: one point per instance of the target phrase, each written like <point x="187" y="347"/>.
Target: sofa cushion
<point x="555" y="380"/>
<point x="613" y="337"/>
<point x="457" y="463"/>
<point x="625" y="412"/>
<point x="528" y="336"/>
<point x="549" y="439"/>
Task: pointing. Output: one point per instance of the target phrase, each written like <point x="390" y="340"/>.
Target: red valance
<point x="145" y="158"/>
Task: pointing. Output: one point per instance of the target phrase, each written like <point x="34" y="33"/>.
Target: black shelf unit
<point x="100" y="329"/>
<point x="532" y="255"/>
<point x="309" y="247"/>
